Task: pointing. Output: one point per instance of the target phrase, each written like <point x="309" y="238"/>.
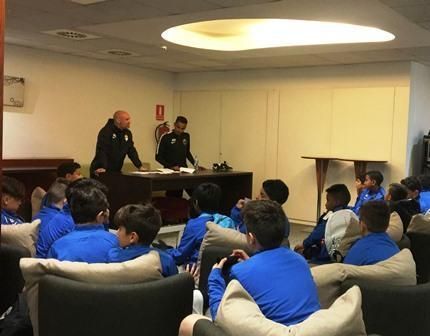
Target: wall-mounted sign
<point x="159" y="112"/>
<point x="13" y="91"/>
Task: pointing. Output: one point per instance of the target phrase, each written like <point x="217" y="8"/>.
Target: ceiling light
<point x="245" y="34"/>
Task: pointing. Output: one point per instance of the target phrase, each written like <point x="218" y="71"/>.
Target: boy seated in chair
<point x="13" y="192"/>
<point x="372" y="191"/>
<point x="278" y="279"/>
<point x="375" y="244"/>
<point x="56" y="220"/>
<point x="274" y="190"/>
<point x="398" y="201"/>
<point x="71" y="171"/>
<point x="205" y="205"/>
<point x="138" y="225"/>
<point x="313" y="247"/>
<point x="89" y="241"/>
<point x="424" y="197"/>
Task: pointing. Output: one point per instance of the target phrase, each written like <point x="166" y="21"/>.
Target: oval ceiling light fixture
<point x="246" y="34"/>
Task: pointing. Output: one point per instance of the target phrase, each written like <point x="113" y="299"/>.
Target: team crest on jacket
<point x="173" y="141"/>
<point x="126" y="137"/>
<point x="113" y="136"/>
<point x="184" y="141"/>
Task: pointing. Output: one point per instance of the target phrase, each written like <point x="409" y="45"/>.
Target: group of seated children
<point x="76" y="212"/>
<point x="373" y="207"/>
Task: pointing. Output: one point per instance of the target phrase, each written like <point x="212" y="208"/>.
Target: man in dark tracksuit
<point x="174" y="149"/>
<point x="114" y="142"/>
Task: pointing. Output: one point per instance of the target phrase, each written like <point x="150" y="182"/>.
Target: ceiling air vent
<point x="71" y="34"/>
<point x="119" y="52"/>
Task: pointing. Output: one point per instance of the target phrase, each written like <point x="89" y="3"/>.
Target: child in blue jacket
<point x="373" y="190"/>
<point x="13" y="192"/>
<point x="313" y="247"/>
<point x="274" y="190"/>
<point x="55" y="216"/>
<point x="138" y="225"/>
<point x="375" y="244"/>
<point x="205" y="203"/>
<point x="278" y="279"/>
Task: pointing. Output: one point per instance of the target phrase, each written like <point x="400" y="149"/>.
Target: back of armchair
<point x="68" y="307"/>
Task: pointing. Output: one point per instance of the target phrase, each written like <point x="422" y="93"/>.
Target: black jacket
<point x="113" y="144"/>
<point x="174" y="150"/>
<point x="406" y="209"/>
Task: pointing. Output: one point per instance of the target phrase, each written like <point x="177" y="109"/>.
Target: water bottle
<point x="196" y="163"/>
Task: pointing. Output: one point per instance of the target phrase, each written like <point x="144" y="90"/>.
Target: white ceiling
<point x="136" y="26"/>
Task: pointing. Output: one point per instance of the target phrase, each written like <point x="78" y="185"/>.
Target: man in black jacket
<point x="114" y="142"/>
<point x="174" y="148"/>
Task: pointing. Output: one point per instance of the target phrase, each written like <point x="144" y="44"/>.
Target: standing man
<point x="114" y="142"/>
<point x="174" y="148"/>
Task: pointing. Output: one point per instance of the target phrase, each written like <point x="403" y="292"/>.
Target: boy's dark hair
<point x="361" y="177"/>
<point x="398" y="192"/>
<point x="181" y="119"/>
<point x="376" y="215"/>
<point x="412" y="183"/>
<point x="12" y="187"/>
<point x="57" y="191"/>
<point x="145" y="220"/>
<point x="266" y="220"/>
<point x="67" y="168"/>
<point x="277" y="190"/>
<point x="86" y="182"/>
<point x="425" y="182"/>
<point x="86" y="199"/>
<point x="208" y="197"/>
<point x="340" y="193"/>
<point x="375" y="175"/>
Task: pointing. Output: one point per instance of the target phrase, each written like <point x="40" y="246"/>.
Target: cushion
<point x="238" y="314"/>
<point x="144" y="268"/>
<point x="395" y="227"/>
<point x="223" y="237"/>
<point x="24" y="235"/>
<point x="36" y="200"/>
<point x="420" y="224"/>
<point x="399" y="270"/>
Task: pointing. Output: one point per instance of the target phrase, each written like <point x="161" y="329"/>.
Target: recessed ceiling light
<point x="245" y="34"/>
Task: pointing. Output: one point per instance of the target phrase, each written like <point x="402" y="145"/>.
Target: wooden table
<point x="321" y="165"/>
<point x="33" y="173"/>
<point x="131" y="188"/>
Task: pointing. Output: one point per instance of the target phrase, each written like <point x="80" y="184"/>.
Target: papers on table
<point x="162" y="171"/>
<point x="187" y="170"/>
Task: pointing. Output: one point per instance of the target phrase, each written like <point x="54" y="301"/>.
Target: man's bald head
<point x="121" y="119"/>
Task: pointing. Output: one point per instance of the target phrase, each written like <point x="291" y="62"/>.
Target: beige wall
<point x="258" y="120"/>
<point x="419" y="115"/>
<point x="272" y="118"/>
<point x="68" y="99"/>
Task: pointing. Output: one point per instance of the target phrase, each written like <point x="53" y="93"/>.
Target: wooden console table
<point x="321" y="165"/>
<point x="33" y="173"/>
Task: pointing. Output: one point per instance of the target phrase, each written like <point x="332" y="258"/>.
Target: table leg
<point x="321" y="171"/>
<point x="360" y="167"/>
